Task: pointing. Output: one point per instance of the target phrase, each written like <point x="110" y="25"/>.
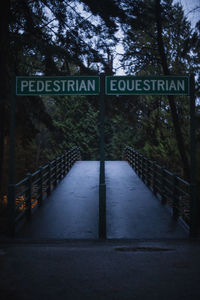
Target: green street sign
<point x="59" y="85"/>
<point x="147" y="85"/>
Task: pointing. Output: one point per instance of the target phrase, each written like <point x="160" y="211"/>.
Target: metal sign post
<point x="102" y="184"/>
<point x="194" y="209"/>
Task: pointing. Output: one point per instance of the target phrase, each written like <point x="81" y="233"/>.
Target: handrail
<point x="168" y="186"/>
<point x="30" y="192"/>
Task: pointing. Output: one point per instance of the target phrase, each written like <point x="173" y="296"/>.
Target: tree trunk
<point x="4" y="75"/>
<point x="175" y="119"/>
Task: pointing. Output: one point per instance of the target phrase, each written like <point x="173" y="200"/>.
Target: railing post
<point x="71" y="159"/>
<point x="29" y="194"/>
<point x="73" y="156"/>
<point x="154" y="178"/>
<point x="55" y="173"/>
<point x="132" y="159"/>
<point x="63" y="165"/>
<point x="147" y="172"/>
<point x="129" y="157"/>
<point x="142" y="167"/>
<point x="139" y="164"/>
<point x="175" y="203"/>
<point x="164" y="200"/>
<point x="40" y="186"/>
<point x="49" y="180"/>
<point x="79" y="154"/>
<point x="68" y="161"/>
<point x="11" y="209"/>
<point x="135" y="161"/>
<point x="60" y="167"/>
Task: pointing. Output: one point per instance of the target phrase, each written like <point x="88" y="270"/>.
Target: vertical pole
<point x="193" y="205"/>
<point x="40" y="199"/>
<point x="11" y="186"/>
<point x="175" y="203"/>
<point x="49" y="180"/>
<point x="29" y="195"/>
<point x="102" y="185"/>
<point x="163" y="182"/>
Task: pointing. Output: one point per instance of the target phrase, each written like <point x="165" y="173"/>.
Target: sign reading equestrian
<point x="60" y="85"/>
<point x="157" y="85"/>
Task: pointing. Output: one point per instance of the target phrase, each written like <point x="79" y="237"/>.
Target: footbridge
<point x="64" y="200"/>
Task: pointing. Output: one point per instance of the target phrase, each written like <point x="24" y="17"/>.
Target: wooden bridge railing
<point x="29" y="193"/>
<point x="167" y="186"/>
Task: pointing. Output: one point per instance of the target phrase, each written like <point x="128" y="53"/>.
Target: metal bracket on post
<point x="102" y="185"/>
<point x="193" y="204"/>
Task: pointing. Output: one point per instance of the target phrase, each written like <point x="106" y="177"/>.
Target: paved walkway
<point x="133" y="212"/>
<point x="71" y="212"/>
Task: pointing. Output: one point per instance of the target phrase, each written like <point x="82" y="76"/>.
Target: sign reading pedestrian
<point x="59" y="85"/>
<point x="157" y="85"/>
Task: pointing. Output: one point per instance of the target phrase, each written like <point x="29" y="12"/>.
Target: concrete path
<point x="71" y="212"/>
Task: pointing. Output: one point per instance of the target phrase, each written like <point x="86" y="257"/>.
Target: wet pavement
<point x="133" y="211"/>
<point x="118" y="270"/>
<point x="71" y="212"/>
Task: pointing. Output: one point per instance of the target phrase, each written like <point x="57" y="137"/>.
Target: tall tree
<point x="166" y="71"/>
<point x="4" y="75"/>
<point x="50" y="37"/>
<point x="158" y="40"/>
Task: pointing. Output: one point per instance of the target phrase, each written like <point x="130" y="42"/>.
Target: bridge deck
<point x="71" y="212"/>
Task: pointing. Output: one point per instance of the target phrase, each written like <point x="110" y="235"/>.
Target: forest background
<point x="81" y="37"/>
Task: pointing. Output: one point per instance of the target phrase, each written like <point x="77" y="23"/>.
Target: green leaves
<point x="76" y="123"/>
